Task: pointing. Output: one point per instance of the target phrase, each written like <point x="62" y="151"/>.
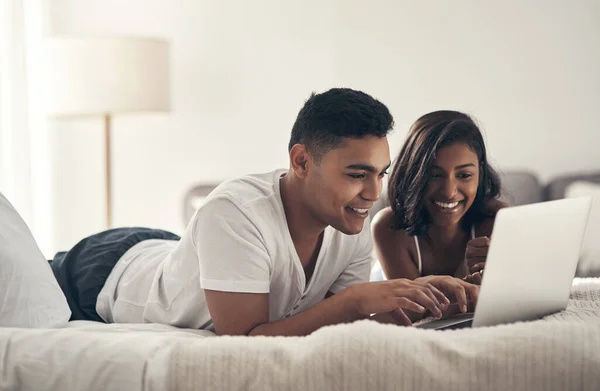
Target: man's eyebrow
<point x="366" y="167"/>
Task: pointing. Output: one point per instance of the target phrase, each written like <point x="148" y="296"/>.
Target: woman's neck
<point x="447" y="236"/>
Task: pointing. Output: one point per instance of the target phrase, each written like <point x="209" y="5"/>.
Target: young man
<point x="281" y="253"/>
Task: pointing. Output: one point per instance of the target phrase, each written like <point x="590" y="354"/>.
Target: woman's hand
<point x="474" y="278"/>
<point x="476" y="254"/>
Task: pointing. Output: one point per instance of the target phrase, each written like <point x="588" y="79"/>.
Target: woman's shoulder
<point x="381" y="227"/>
<point x="395" y="248"/>
<point x="383" y="218"/>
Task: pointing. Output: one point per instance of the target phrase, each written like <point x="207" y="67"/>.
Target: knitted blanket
<point x="558" y="352"/>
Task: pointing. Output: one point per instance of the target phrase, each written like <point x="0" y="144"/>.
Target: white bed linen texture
<point x="559" y="352"/>
<point x="89" y="356"/>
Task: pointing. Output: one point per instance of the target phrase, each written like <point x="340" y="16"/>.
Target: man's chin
<point x="347" y="229"/>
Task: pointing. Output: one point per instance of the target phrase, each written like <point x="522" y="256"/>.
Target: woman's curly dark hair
<point x="410" y="174"/>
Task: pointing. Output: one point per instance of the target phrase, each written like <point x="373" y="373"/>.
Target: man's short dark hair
<point x="328" y="118"/>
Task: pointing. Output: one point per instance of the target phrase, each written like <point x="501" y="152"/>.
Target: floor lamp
<point x="104" y="77"/>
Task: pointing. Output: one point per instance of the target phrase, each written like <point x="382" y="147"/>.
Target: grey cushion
<point x="556" y="187"/>
<point x="520" y="188"/>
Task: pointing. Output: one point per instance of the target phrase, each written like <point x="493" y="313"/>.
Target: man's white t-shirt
<point x="237" y="241"/>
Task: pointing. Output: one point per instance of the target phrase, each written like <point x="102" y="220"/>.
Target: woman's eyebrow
<point x="456" y="168"/>
<point x="464" y="166"/>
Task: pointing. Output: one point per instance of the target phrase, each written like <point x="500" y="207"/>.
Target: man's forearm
<point x="333" y="310"/>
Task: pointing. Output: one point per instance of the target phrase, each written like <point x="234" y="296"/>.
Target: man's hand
<point x="392" y="296"/>
<point x="459" y="291"/>
<point x="476" y="254"/>
<point x="397" y="317"/>
<point x="248" y="313"/>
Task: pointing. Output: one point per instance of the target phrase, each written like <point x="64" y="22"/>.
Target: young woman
<point x="444" y="198"/>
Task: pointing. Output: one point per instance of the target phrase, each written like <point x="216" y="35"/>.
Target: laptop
<point x="530" y="265"/>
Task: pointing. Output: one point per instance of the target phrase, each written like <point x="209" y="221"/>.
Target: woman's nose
<point x="449" y="189"/>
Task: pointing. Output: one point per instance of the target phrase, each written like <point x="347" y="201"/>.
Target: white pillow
<point x="589" y="262"/>
<point x="29" y="293"/>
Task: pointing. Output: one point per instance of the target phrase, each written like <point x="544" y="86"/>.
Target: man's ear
<point x="300" y="160"/>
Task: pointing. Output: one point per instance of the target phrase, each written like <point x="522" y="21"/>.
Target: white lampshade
<point x="96" y="76"/>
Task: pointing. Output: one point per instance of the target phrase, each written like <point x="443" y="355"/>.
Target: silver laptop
<point x="530" y="265"/>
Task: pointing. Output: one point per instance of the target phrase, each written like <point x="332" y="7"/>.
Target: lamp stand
<point x="107" y="160"/>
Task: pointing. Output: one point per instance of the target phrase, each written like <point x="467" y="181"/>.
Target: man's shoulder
<point x="248" y="189"/>
<point x="249" y="203"/>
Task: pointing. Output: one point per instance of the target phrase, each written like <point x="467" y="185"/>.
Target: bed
<point x="559" y="352"/>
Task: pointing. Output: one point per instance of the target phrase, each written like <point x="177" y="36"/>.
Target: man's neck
<point x="305" y="230"/>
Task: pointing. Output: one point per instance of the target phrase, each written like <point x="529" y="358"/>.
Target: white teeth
<point x="359" y="210"/>
<point x="447" y="206"/>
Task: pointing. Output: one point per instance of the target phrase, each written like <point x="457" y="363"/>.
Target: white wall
<point x="241" y="70"/>
<point x="528" y="70"/>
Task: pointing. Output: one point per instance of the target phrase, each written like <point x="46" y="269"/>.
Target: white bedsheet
<point x="89" y="356"/>
<point x="561" y="352"/>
